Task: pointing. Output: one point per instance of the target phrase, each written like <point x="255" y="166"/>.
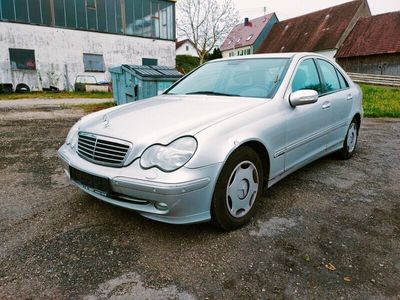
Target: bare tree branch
<point x="206" y="22"/>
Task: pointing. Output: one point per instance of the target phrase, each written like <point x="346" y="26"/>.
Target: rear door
<point x="338" y="94"/>
<point x="306" y="125"/>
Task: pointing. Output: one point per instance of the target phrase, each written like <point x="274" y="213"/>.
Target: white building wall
<point x="59" y="53"/>
<point x="237" y="51"/>
<point x="187" y="49"/>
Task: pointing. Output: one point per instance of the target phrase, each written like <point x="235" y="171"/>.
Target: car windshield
<point x="253" y="77"/>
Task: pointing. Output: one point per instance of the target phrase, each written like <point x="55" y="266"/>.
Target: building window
<point x="22" y="59"/>
<point x="93" y="62"/>
<point x="187" y="48"/>
<point x="91" y="14"/>
<point x="149" y="62"/>
<point x="148" y="18"/>
<point x="22" y="11"/>
<point x="7" y="10"/>
<point x="34" y="13"/>
<point x="91" y="4"/>
<point x="59" y="13"/>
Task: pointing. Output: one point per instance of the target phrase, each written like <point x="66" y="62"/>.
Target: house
<point x="373" y="47"/>
<point x="185" y="47"/>
<point x="322" y="31"/>
<point x="47" y="43"/>
<point x="244" y="39"/>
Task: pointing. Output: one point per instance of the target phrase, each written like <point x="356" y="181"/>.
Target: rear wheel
<point x="238" y="187"/>
<point x="350" y="142"/>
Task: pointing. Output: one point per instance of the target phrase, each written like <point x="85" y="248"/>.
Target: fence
<point x="376" y="79"/>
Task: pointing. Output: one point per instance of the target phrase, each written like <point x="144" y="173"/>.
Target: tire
<point x="350" y="142"/>
<point x="22" y="88"/>
<point x="233" y="207"/>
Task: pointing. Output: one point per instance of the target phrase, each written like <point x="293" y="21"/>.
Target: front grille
<point x="102" y="150"/>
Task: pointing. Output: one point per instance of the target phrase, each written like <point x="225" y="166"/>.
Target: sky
<point x="286" y="9"/>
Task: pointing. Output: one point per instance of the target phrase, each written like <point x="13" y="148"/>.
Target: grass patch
<point x="54" y="95"/>
<point x="380" y="101"/>
<point x="89" y="108"/>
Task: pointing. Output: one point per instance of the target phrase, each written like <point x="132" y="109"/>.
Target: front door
<point x="306" y="125"/>
<point x="341" y="99"/>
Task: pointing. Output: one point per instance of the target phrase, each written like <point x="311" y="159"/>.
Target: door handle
<point x="326" y="105"/>
<point x="350" y="97"/>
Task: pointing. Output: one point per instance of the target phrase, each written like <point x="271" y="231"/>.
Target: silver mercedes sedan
<point x="206" y="148"/>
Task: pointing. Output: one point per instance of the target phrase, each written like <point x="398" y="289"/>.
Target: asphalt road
<point x="330" y="230"/>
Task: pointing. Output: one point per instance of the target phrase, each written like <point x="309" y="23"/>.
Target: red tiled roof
<point x="180" y="43"/>
<point x="242" y="32"/>
<point x="374" y="35"/>
<point x="320" y="30"/>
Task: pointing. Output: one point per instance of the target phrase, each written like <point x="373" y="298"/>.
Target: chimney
<point x="246" y="22"/>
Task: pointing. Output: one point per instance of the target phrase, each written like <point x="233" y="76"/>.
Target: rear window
<point x="330" y="75"/>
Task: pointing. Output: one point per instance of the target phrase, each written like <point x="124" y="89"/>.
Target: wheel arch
<point x="262" y="152"/>
<point x="357" y="118"/>
<point x="260" y="149"/>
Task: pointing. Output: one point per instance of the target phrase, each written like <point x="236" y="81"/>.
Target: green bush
<point x="186" y="63"/>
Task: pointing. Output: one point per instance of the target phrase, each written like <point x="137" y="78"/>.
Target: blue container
<point x="132" y="82"/>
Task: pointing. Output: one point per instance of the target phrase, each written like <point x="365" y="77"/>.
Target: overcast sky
<point x="286" y="9"/>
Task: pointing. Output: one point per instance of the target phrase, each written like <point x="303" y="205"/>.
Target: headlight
<point x="72" y="136"/>
<point x="171" y="157"/>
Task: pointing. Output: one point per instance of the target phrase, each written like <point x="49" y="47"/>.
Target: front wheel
<point x="350" y="142"/>
<point x="238" y="187"/>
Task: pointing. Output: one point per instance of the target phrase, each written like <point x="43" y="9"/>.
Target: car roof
<point x="272" y="55"/>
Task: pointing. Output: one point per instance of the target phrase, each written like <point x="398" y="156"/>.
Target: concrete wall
<point x="59" y="53"/>
<point x="183" y="51"/>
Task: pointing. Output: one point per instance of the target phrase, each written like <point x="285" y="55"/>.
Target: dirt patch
<point x="57" y="242"/>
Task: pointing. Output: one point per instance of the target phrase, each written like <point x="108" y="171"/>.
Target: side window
<point x="343" y="82"/>
<point x="330" y="76"/>
<point x="307" y="77"/>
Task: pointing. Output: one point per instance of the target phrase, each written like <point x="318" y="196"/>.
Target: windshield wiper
<point x="211" y="93"/>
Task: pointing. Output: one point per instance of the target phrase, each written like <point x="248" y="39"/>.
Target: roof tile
<point x="240" y="34"/>
<point x="320" y="30"/>
<point x="374" y="35"/>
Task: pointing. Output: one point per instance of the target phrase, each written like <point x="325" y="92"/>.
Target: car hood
<point x="164" y="118"/>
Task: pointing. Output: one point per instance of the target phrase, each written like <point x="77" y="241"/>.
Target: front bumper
<point x="185" y="194"/>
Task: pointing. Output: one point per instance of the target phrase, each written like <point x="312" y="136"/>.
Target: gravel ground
<point x="35" y="103"/>
<point x="330" y="230"/>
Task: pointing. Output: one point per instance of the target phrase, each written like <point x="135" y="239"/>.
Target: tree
<point x="215" y="54"/>
<point x="206" y="22"/>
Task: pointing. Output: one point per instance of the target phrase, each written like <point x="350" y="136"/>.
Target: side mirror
<point x="303" y="97"/>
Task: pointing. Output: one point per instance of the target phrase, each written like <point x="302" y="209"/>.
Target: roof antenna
<point x="265" y="13"/>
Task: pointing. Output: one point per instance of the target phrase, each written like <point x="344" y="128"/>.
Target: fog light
<point x="161" y="206"/>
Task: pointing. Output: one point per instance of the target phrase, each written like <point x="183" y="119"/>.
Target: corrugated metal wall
<point x="384" y="64"/>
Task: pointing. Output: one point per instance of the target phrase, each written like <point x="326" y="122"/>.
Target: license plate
<point x="99" y="185"/>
